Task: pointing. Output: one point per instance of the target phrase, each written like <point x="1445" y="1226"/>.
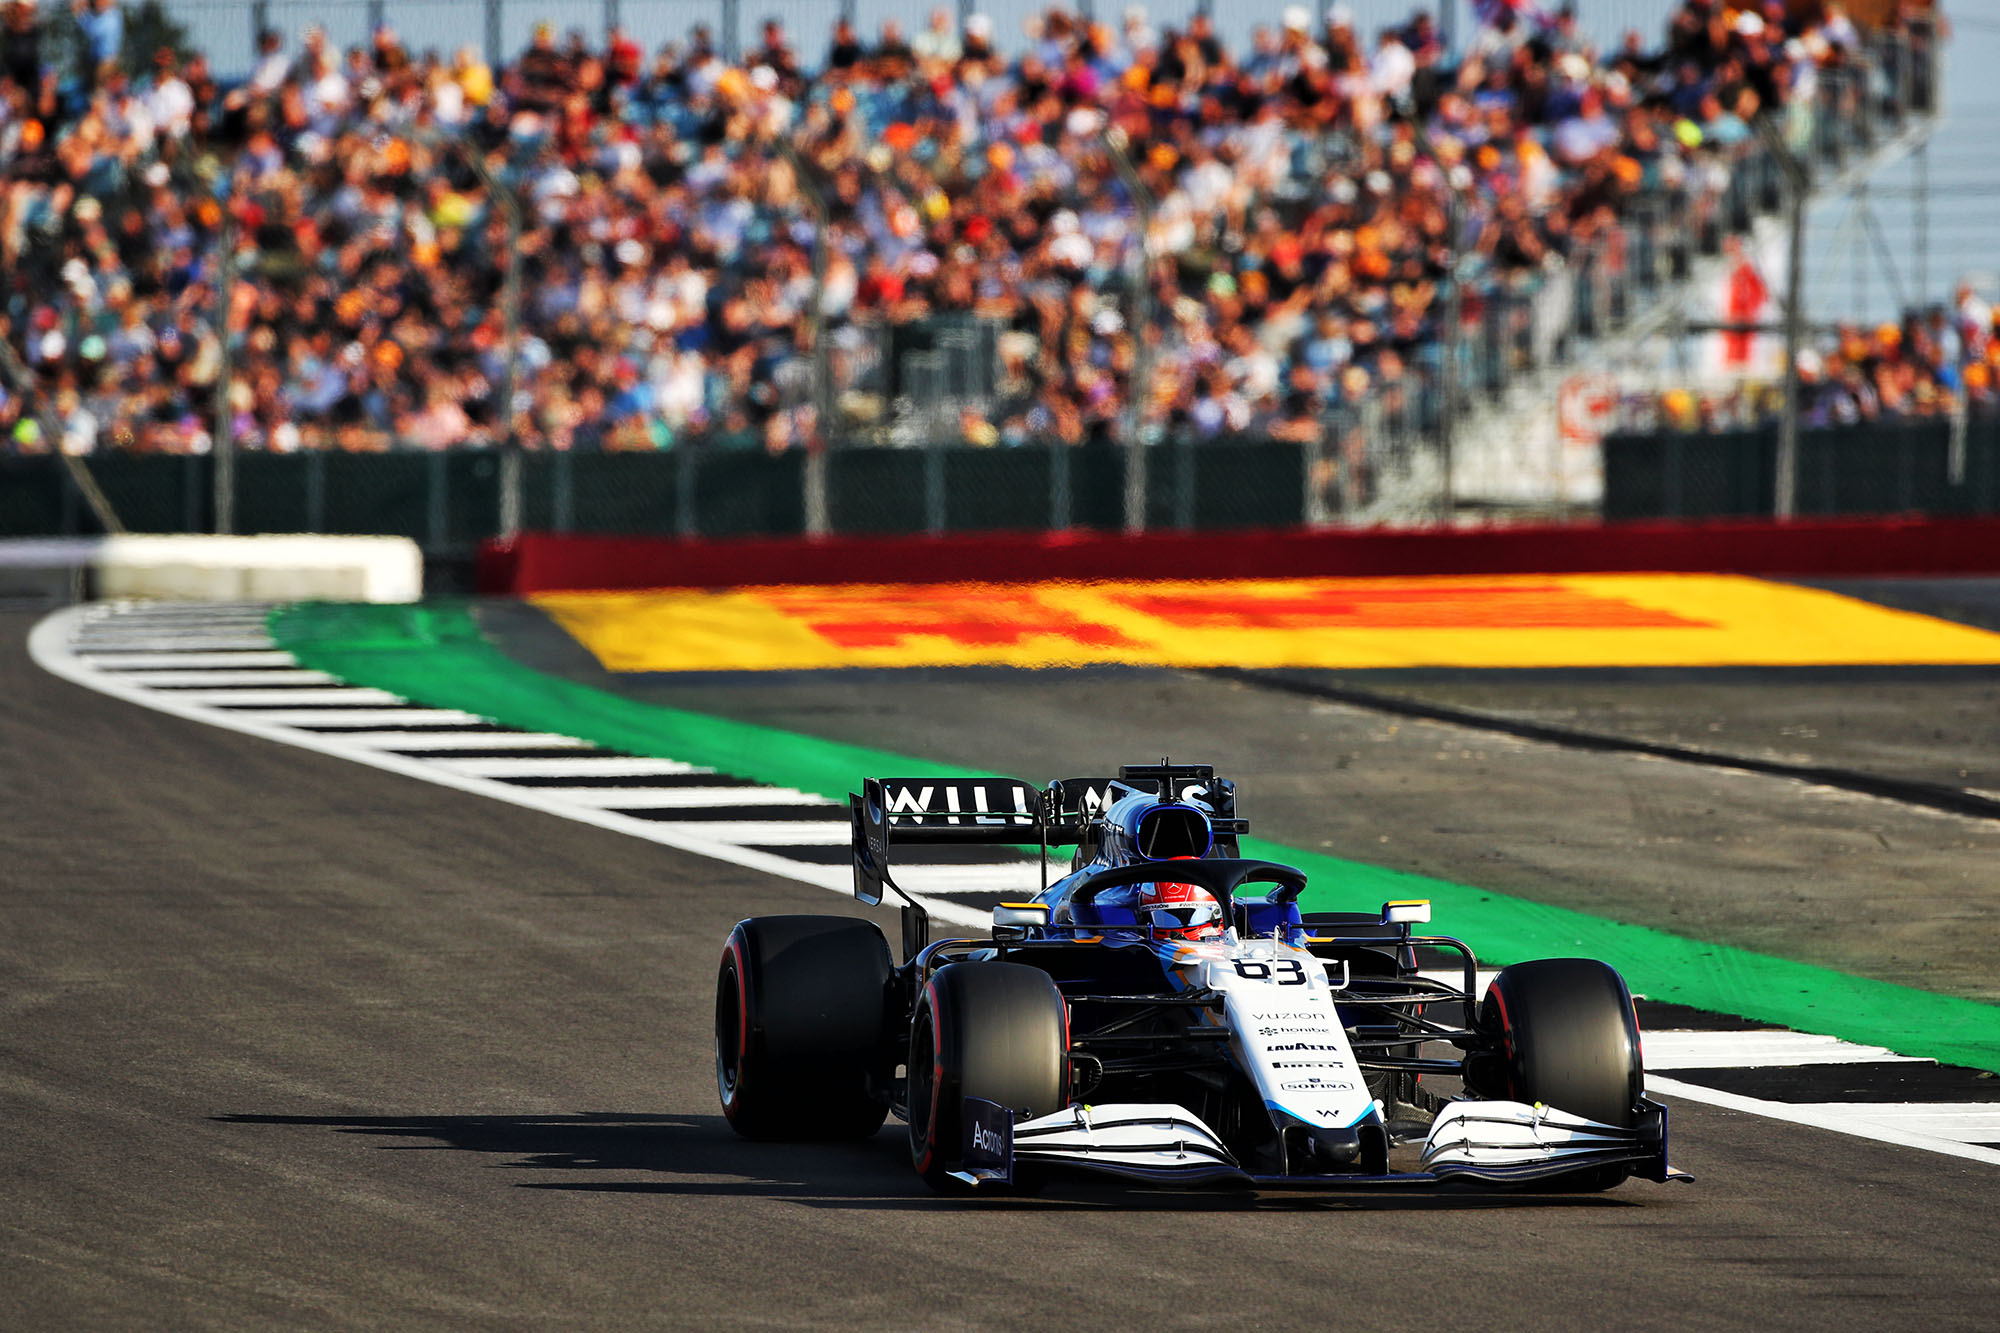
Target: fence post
<point x="1954" y="449"/>
<point x="562" y="488"/>
<point x="613" y="19"/>
<point x="1059" y="487"/>
<point x="316" y="491"/>
<point x="1312" y="458"/>
<point x="934" y="505"/>
<point x="66" y="524"/>
<point x="436" y="501"/>
<point x="1672" y="463"/>
<point x="685" y="467"/>
<point x="494" y="54"/>
<point x="376" y="19"/>
<point x="732" y="35"/>
<point x="1184" y="486"/>
<point x="260" y="20"/>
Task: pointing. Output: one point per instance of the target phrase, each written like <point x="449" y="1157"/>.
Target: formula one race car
<point x="1164" y="1012"/>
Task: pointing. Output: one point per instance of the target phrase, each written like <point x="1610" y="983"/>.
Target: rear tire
<point x="1569" y="1038"/>
<point x="800" y="1026"/>
<point x="998" y="1031"/>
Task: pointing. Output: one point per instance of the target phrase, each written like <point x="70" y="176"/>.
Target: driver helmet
<point x="1179" y="911"/>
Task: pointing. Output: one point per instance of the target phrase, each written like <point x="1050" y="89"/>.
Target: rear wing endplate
<point x="890" y="811"/>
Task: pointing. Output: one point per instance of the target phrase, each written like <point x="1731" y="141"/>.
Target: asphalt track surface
<point x="292" y="1042"/>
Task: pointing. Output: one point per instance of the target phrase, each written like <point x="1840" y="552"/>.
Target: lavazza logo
<point x="1302" y="1046"/>
<point x="987" y="1140"/>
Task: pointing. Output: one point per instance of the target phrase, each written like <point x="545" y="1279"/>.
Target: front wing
<point x="1489" y="1142"/>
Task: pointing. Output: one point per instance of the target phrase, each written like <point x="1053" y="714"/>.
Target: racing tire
<point x="998" y="1031"/>
<point x="1568" y="1037"/>
<point x="801" y="1014"/>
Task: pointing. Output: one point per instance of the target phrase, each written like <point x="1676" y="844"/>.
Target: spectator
<point x="101" y="24"/>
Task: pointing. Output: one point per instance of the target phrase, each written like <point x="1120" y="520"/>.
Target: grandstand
<point x="1347" y="231"/>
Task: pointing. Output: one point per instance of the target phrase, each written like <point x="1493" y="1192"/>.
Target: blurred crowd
<point x="1930" y="364"/>
<point x="672" y="272"/>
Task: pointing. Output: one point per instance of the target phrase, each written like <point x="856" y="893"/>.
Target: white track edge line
<point x="1815" y="1117"/>
<point x="48" y="647"/>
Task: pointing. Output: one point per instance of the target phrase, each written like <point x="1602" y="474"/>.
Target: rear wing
<point x="888" y="812"/>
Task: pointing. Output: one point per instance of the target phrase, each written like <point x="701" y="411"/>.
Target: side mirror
<point x="1412" y="912"/>
<point x="1013" y="921"/>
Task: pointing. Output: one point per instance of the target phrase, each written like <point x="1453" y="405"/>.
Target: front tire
<point x="998" y="1031"/>
<point x="1567" y="1037"/>
<point x="800" y="1022"/>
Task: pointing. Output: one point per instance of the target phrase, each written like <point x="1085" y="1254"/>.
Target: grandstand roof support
<point x="501" y="192"/>
<point x="224" y="442"/>
<point x="1115" y="143"/>
<point x="1798" y="186"/>
<point x="818" y="521"/>
<point x="16" y="375"/>
<point x="1454" y="328"/>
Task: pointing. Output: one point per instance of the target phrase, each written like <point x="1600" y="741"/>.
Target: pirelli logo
<point x="960" y="802"/>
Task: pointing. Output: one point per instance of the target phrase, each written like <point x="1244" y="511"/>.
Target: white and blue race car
<point x="1164" y="1012"/>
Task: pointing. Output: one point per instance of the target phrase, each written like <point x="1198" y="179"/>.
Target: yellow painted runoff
<point x="1568" y="620"/>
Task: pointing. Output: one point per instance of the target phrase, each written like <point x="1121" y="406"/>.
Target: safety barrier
<point x="542" y="562"/>
<point x="1923" y="467"/>
<point x="227" y="569"/>
<point x="448" y="502"/>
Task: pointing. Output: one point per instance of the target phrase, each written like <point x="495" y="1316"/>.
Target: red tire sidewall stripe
<point x="1506" y="1037"/>
<point x="937" y="1077"/>
<point x="736" y="951"/>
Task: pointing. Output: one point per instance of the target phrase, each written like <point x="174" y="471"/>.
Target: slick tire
<point x="1567" y="1037"/>
<point x="998" y="1031"/>
<point x="801" y="1049"/>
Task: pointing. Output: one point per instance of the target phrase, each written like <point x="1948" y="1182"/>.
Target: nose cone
<point x="1336" y="1147"/>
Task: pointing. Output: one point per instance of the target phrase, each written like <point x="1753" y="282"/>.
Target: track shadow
<point x="698" y="1155"/>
